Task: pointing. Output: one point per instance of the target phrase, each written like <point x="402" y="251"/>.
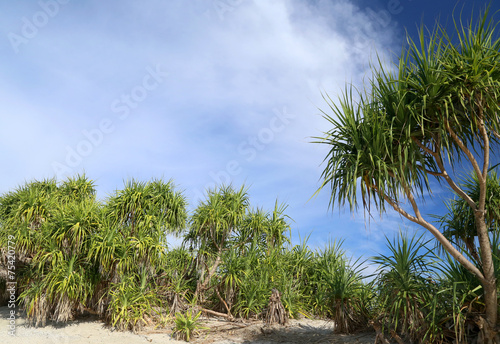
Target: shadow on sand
<point x="305" y="334"/>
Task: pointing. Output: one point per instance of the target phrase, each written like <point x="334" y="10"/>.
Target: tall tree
<point x="212" y="223"/>
<point x="436" y="111"/>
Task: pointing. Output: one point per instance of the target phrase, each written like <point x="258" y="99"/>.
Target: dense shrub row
<point x="77" y="254"/>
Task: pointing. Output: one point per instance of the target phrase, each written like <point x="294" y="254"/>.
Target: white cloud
<point x="229" y="71"/>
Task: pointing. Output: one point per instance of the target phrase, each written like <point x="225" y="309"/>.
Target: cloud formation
<point x="203" y="92"/>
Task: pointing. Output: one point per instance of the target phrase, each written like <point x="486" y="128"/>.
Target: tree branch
<point x="453" y="185"/>
<point x="486" y="163"/>
<point x="223" y="302"/>
<point x="462" y="146"/>
<point x="497" y="135"/>
<point x="217" y="314"/>
<point x="435" y="232"/>
<point x="435" y="174"/>
<point x="424" y="148"/>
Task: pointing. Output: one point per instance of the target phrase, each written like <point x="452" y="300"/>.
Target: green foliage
<point x="187" y="326"/>
<point x="434" y="112"/>
<point x="460" y="299"/>
<point x="344" y="291"/>
<point x="154" y="207"/>
<point x="388" y="138"/>
<point x="405" y="286"/>
<point x="336" y="288"/>
<point x="459" y="224"/>
<point x="252" y="294"/>
<point x="132" y="302"/>
<point x="217" y="217"/>
<point x="178" y="285"/>
<point x="76" y="253"/>
<point x="77" y="189"/>
<point x="111" y="257"/>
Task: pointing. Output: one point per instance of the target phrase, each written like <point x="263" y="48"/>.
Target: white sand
<point x="221" y="332"/>
<point x="77" y="332"/>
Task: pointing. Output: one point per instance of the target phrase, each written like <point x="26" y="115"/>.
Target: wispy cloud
<point x="201" y="92"/>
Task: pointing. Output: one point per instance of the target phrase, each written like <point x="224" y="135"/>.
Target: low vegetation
<point x="77" y="254"/>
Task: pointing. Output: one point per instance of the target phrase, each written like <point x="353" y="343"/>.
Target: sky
<point x="203" y="92"/>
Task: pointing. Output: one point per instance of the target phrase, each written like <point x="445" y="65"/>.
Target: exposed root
<point x="275" y="311"/>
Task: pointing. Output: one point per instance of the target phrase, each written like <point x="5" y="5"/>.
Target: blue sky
<point x="203" y="92"/>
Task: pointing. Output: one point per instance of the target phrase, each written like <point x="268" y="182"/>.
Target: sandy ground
<point x="90" y="330"/>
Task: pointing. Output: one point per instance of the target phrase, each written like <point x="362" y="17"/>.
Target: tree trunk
<point x="379" y="338"/>
<point x="489" y="282"/>
<point x="228" y="308"/>
<point x="203" y="285"/>
<point x="217" y="314"/>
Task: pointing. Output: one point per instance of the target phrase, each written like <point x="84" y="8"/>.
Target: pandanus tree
<point x="23" y="212"/>
<point x="78" y="253"/>
<point x="267" y="230"/>
<point x="261" y="234"/>
<point x="130" y="249"/>
<point x="403" y="286"/>
<point x="138" y="218"/>
<point x="52" y="225"/>
<point x="212" y="224"/>
<point x="227" y="235"/>
<point x="435" y="112"/>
